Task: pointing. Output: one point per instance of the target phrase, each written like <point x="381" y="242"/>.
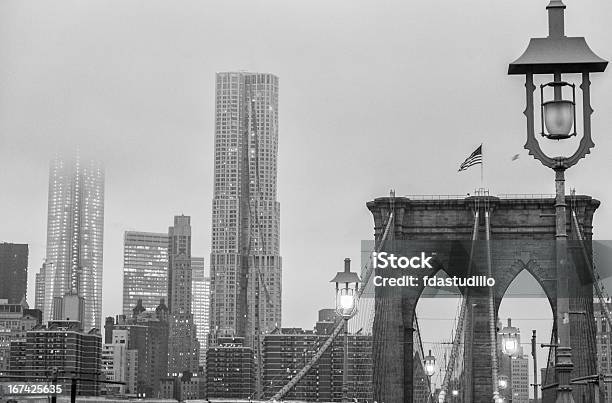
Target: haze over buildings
<point x="75" y="237"/>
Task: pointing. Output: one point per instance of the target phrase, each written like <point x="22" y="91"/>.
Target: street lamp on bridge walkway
<point x="347" y="287"/>
<point x="556" y="55"/>
<point x="510" y="339"/>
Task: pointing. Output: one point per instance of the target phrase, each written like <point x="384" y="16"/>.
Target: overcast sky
<point x="373" y="95"/>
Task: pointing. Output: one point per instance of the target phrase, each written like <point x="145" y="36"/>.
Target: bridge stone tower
<point x="522" y="233"/>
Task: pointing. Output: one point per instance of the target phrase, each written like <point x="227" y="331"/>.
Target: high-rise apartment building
<point x="15" y="321"/>
<point x="200" y="306"/>
<point x="287" y="350"/>
<point x="13" y="272"/>
<point x="245" y="264"/>
<point x="183" y="346"/>
<point x="61" y="344"/>
<point x="230" y="370"/>
<point x="75" y="231"/>
<point x="145" y="269"/>
<point x="146" y="334"/>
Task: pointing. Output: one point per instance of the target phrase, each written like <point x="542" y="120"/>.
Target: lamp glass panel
<point x="430" y="365"/>
<point x="510" y="345"/>
<point x="346" y="302"/>
<point x="559" y="117"/>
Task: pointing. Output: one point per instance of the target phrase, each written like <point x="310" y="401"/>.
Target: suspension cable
<point x="460" y="322"/>
<point x="369" y="269"/>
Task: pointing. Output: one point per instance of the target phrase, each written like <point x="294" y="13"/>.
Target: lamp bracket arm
<point x="586" y="142"/>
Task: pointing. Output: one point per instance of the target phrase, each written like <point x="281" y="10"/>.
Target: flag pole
<point x="482" y="166"/>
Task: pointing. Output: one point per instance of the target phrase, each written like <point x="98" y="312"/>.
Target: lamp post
<point x="510" y="337"/>
<point x="429" y="364"/>
<point x="558" y="54"/>
<point x="347" y="286"/>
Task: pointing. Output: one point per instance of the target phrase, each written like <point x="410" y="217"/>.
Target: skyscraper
<point x="146" y="335"/>
<point x="75" y="229"/>
<point x="13" y="271"/>
<point x="200" y="290"/>
<point x="39" y="290"/>
<point x="245" y="264"/>
<point x="183" y="346"/>
<point x="145" y="269"/>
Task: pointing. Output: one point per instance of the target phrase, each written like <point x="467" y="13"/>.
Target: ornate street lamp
<point x="430" y="364"/>
<point x="347" y="286"/>
<point x="503" y="382"/>
<point x="556" y="55"/>
<point x="510" y="339"/>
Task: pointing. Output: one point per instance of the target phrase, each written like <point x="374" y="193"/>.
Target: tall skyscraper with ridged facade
<point x="245" y="262"/>
<point x="75" y="233"/>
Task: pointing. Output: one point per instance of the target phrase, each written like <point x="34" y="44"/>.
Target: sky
<point x="374" y="95"/>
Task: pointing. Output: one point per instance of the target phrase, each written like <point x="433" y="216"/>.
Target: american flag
<point x="473" y="159"/>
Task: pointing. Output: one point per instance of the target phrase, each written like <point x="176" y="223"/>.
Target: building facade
<point x="146" y="335"/>
<point x="15" y="321"/>
<point x="114" y="367"/>
<point x="245" y="263"/>
<point x="75" y="233"/>
<point x="39" y="289"/>
<point x="604" y="348"/>
<point x="288" y="350"/>
<point x="183" y="347"/>
<point x="200" y="291"/>
<point x="230" y="370"/>
<point x="13" y="272"/>
<point x="61" y="344"/>
<point x="145" y="269"/>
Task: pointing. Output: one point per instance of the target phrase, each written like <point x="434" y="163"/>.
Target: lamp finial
<point x="556" y="19"/>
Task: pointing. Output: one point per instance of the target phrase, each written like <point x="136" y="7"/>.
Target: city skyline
<point x="134" y="149"/>
<point x="376" y="99"/>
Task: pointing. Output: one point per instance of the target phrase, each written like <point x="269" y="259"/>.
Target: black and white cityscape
<point x="430" y="252"/>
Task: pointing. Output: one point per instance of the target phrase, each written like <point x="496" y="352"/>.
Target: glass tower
<point x="75" y="232"/>
<point x="145" y="269"/>
<point x="245" y="263"/>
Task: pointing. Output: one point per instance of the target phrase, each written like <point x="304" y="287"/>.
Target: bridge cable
<point x="339" y="327"/>
<point x="461" y="321"/>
